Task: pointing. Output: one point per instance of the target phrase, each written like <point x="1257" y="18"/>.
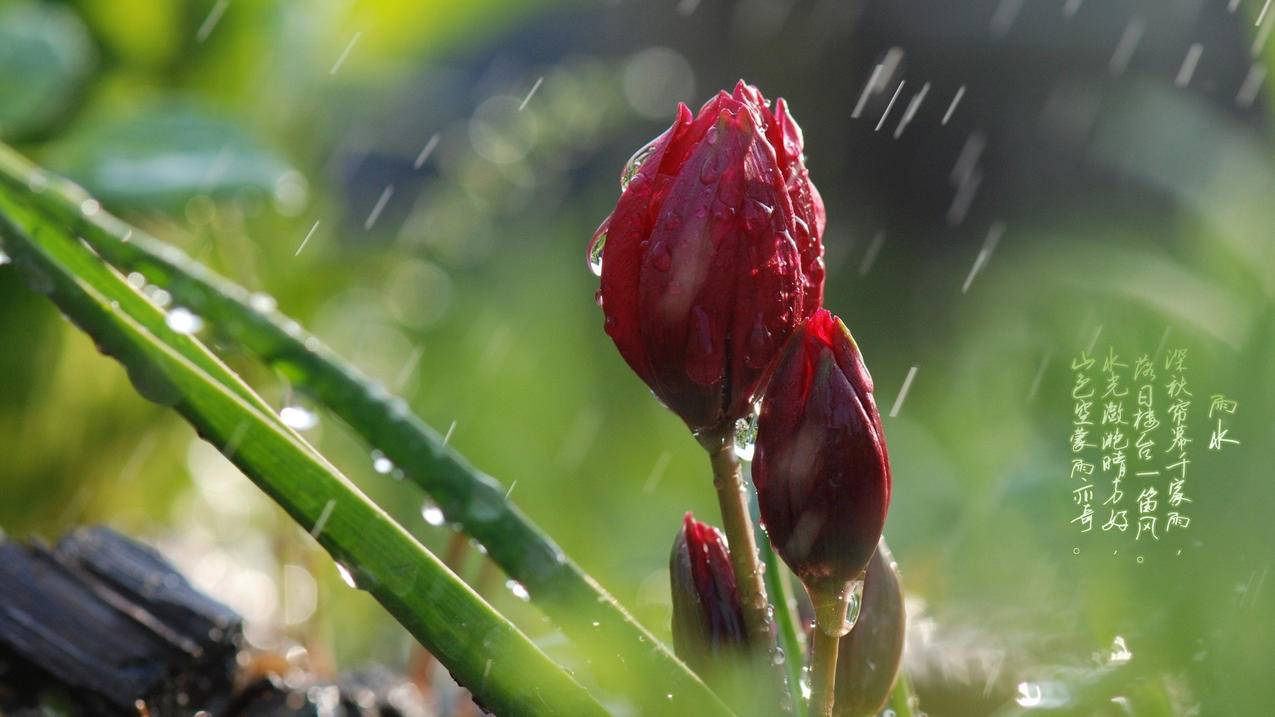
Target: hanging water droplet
<point x="777" y="656"/>
<point x="346" y="576"/>
<point x="380" y="463"/>
<point x="518" y="589"/>
<point x="634" y="165"/>
<point x="746" y="435"/>
<point x="596" y="245"/>
<point x="298" y="418"/>
<point x="433" y="514"/>
<point x="856" y="602"/>
<point x="183" y="321"/>
<point x="4" y="258"/>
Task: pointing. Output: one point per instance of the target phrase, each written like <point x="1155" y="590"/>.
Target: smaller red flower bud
<point x="821" y="468"/>
<point x="708" y="618"/>
<point x="868" y="657"/>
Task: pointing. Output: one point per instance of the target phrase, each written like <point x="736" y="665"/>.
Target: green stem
<point x="732" y="497"/>
<point x="779" y="587"/>
<point x="468" y="497"/>
<point x="901" y="697"/>
<point x="831" y="606"/>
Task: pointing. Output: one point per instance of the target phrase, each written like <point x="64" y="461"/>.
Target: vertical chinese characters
<point x="1082" y="395"/>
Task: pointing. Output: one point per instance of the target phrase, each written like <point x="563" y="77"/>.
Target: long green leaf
<point x="483" y="650"/>
<point x="624" y="655"/>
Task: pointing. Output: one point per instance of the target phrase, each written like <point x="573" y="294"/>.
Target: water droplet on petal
<point x="380" y="463"/>
<point x="183" y="321"/>
<point x="634" y="165"/>
<point x="596" y="245"/>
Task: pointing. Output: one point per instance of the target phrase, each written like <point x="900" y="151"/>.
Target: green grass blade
<point x="779" y="588"/>
<point x="484" y="651"/>
<point x="624" y="655"/>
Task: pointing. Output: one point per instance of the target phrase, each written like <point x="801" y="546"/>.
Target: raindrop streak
<point x="183" y="321"/>
<point x="433" y="515"/>
<point x="210" y="22"/>
<point x="657" y="472"/>
<point x="426" y="152"/>
<point x="527" y="99"/>
<point x="450" y="430"/>
<point x="1003" y="18"/>
<point x="903" y="392"/>
<point x="518" y="589"/>
<point x="1262" y="15"/>
<point x="1251" y="86"/>
<point x="381" y="464"/>
<point x="956" y="99"/>
<point x="298" y="418"/>
<point x="1126" y="45"/>
<point x="1040" y="374"/>
<point x="379" y="207"/>
<point x="345" y="53"/>
<point x="910" y="112"/>
<point x="1187" y="71"/>
<point x="1073" y="6"/>
<point x="985" y="253"/>
<point x="308" y="234"/>
<point x="322" y="522"/>
<point x="890" y="106"/>
<point x="346" y="576"/>
<point x="868" y="89"/>
<point x="870" y="257"/>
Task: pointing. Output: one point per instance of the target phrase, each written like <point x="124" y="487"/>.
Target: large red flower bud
<point x="821" y="468"/>
<point x="712" y="256"/>
<point x="708" y="618"/>
<point x="868" y="657"/>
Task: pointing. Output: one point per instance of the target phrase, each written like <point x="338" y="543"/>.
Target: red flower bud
<point x="868" y="657"/>
<point x="821" y="468"/>
<point x="708" y="618"/>
<point x="712" y="256"/>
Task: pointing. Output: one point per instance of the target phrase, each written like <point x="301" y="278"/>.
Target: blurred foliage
<point x="469" y="295"/>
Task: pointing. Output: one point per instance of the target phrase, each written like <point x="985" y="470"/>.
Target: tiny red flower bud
<point x="712" y="256"/>
<point x="708" y="618"/>
<point x="868" y="657"/>
<point x="821" y="468"/>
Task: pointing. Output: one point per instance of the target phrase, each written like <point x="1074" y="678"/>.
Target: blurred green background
<point x="445" y="164"/>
